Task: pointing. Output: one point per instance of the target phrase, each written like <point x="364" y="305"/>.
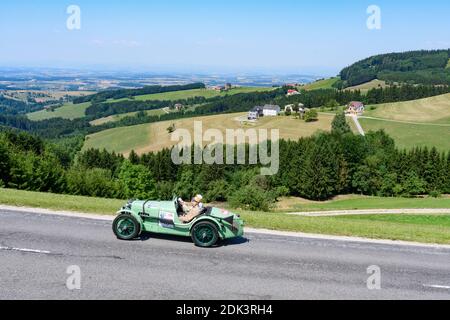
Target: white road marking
<point x="25" y="250"/>
<point x="436" y="286"/>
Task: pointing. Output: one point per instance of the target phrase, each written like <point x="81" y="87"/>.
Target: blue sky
<point x="291" y="36"/>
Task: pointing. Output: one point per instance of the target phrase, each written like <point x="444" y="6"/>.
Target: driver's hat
<point x="198" y="198"/>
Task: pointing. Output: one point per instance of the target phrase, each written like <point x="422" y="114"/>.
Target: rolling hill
<point x="186" y="94"/>
<point x="417" y="123"/>
<point x="73" y="111"/>
<point x="67" y="111"/>
<point x="321" y="84"/>
<point x="154" y="136"/>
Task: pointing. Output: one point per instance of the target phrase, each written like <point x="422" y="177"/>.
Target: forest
<point x="414" y="67"/>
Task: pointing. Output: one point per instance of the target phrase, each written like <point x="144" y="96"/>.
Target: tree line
<point x="127" y="93"/>
<point x="316" y="168"/>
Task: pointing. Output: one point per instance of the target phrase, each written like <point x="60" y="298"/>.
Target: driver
<point x="191" y="209"/>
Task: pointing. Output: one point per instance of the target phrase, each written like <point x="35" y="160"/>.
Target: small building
<point x="179" y="107"/>
<point x="271" y="110"/>
<point x="255" y="113"/>
<point x="355" y="108"/>
<point x="292" y="92"/>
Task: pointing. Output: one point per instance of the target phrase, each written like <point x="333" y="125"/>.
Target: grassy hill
<point x="321" y="84"/>
<point x="67" y="111"/>
<point x="408" y="135"/>
<point x="73" y="111"/>
<point x="118" y="117"/>
<point x="154" y="136"/>
<point x="186" y="94"/>
<point x="433" y="110"/>
<point x="424" y="122"/>
<point x="364" y="87"/>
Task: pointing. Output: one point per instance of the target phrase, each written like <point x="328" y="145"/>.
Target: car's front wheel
<point x="205" y="234"/>
<point x="126" y="227"/>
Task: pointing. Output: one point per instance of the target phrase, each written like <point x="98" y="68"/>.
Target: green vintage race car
<point x="212" y="225"/>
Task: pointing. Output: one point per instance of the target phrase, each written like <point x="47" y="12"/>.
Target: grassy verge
<point x="420" y="228"/>
<point x="59" y="202"/>
<point x="356" y="202"/>
<point x="417" y="228"/>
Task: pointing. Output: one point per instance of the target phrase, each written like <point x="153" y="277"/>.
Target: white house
<point x="255" y="113"/>
<point x="355" y="108"/>
<point x="271" y="110"/>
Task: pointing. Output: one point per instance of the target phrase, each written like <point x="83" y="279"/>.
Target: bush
<point x="311" y="116"/>
<point x="435" y="194"/>
<point x="93" y="182"/>
<point x="218" y="191"/>
<point x="252" y="198"/>
<point x="165" y="190"/>
<point x="136" y="181"/>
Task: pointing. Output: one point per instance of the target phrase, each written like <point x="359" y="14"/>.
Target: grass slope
<point x="407" y="135"/>
<point x="423" y="122"/>
<point x="448" y="64"/>
<point x="321" y="84"/>
<point x="186" y="94"/>
<point x="118" y="117"/>
<point x="67" y="111"/>
<point x="433" y="110"/>
<point x="421" y="228"/>
<point x="369" y="85"/>
<point x="154" y="136"/>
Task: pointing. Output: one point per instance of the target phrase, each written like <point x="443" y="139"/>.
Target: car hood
<point x="221" y="213"/>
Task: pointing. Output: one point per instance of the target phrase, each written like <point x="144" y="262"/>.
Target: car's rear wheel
<point x="126" y="227"/>
<point x="204" y="234"/>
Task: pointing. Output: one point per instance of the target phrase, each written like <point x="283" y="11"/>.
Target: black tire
<point x="130" y="231"/>
<point x="204" y="234"/>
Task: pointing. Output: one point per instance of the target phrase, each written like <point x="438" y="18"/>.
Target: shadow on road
<point x="225" y="243"/>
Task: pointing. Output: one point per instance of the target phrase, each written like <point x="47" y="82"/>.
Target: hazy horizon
<point x="199" y="36"/>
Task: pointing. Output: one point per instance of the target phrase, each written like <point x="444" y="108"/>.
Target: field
<point x="321" y="84"/>
<point x="429" y="110"/>
<point x="68" y="111"/>
<point x="71" y="111"/>
<point x="186" y="94"/>
<point x="154" y="136"/>
<point x="44" y="96"/>
<point x="421" y="228"/>
<point x="118" y="117"/>
<point x="368" y="85"/>
<point x="407" y="135"/>
<point x="424" y="122"/>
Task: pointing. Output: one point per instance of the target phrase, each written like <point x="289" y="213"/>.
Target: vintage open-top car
<point x="210" y="226"/>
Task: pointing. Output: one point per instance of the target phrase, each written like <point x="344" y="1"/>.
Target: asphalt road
<point x="36" y="250"/>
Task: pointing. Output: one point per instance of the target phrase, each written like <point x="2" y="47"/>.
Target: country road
<point x="36" y="250"/>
